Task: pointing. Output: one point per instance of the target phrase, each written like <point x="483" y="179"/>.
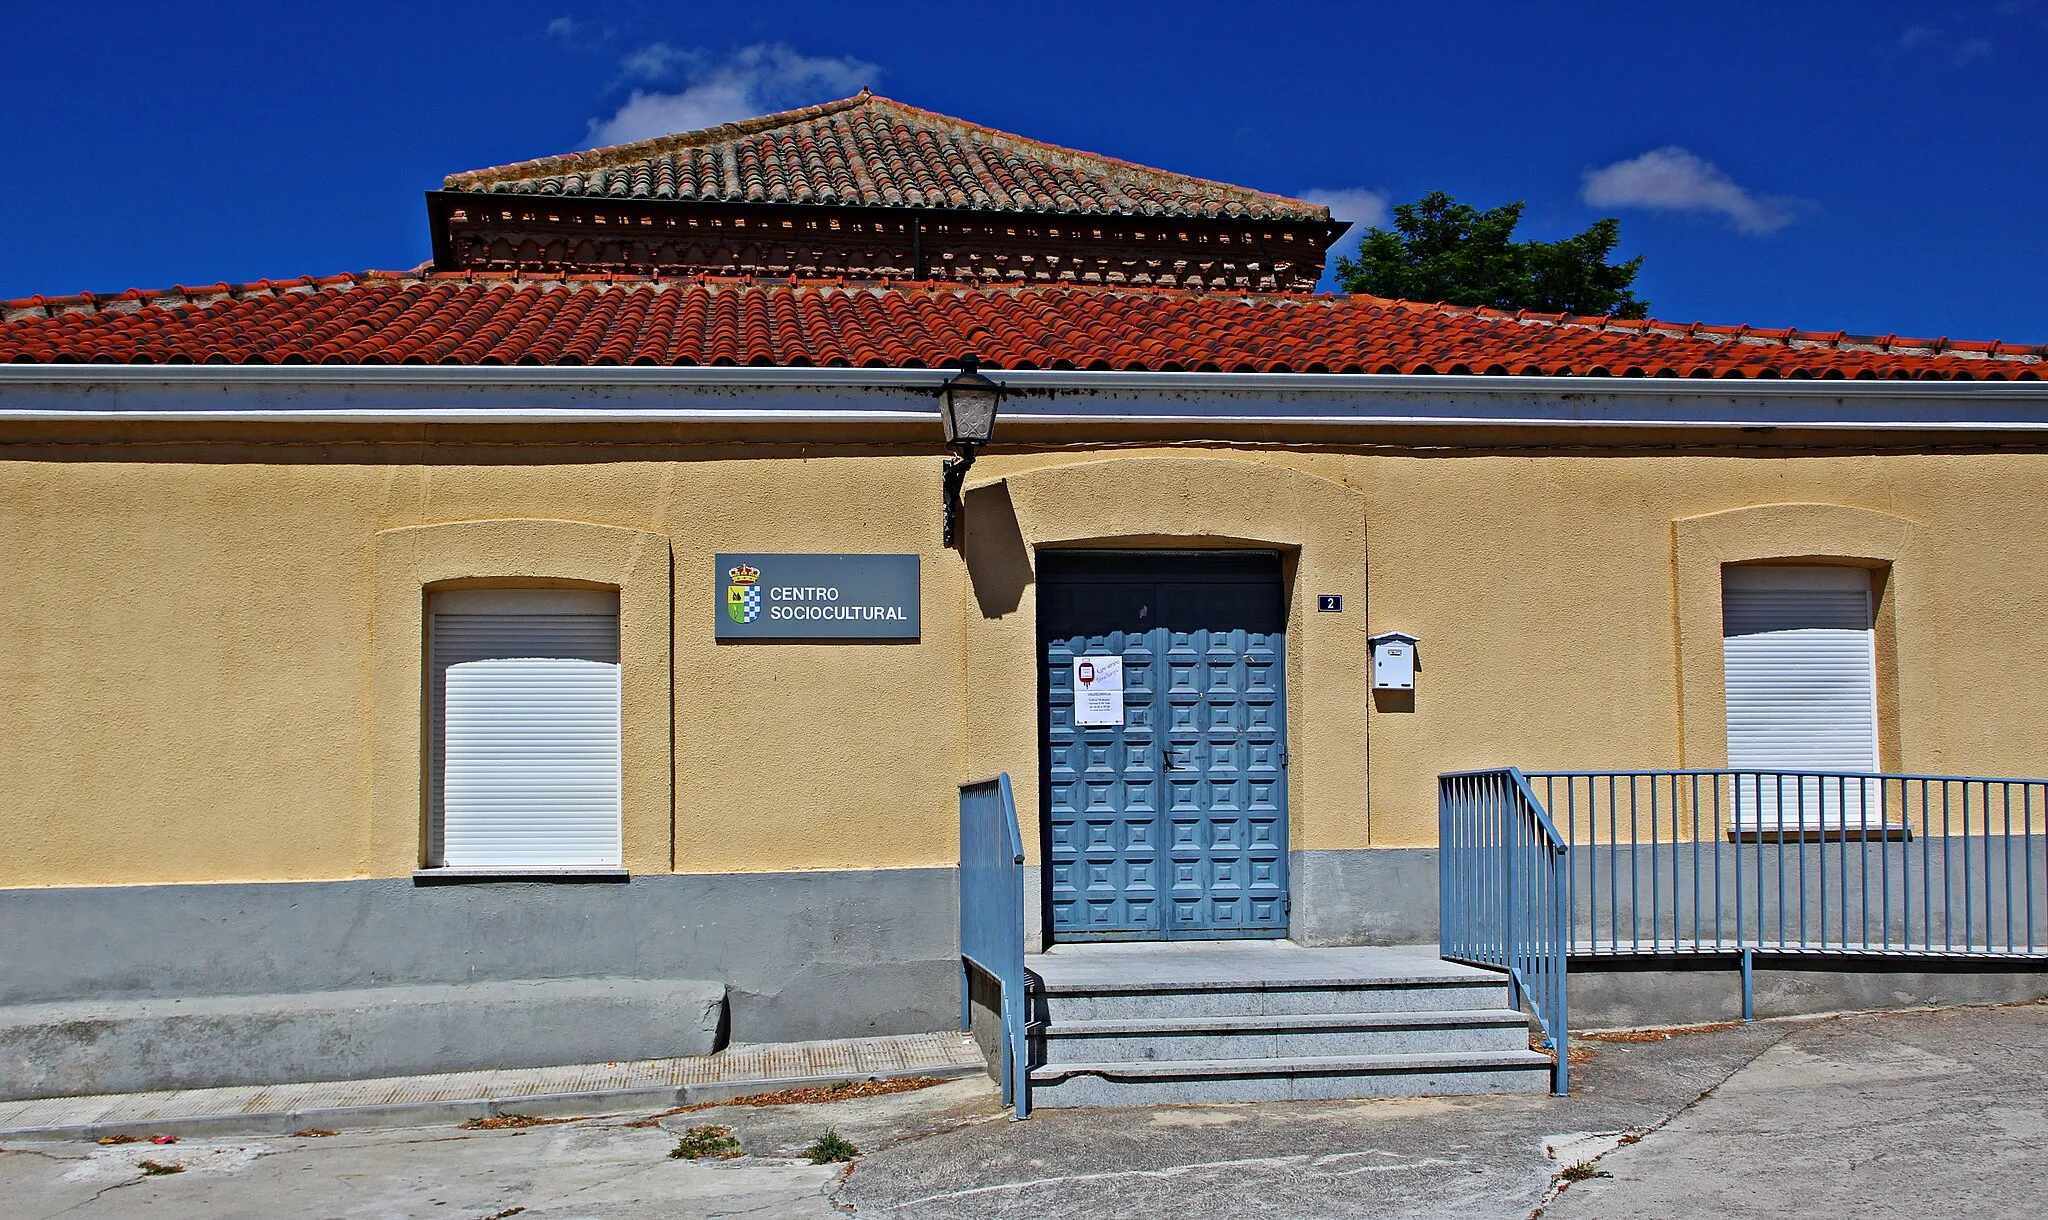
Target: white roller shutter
<point x="524" y="728"/>
<point x="1801" y="672"/>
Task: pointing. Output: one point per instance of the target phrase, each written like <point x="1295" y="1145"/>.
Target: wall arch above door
<point x="1318" y="524"/>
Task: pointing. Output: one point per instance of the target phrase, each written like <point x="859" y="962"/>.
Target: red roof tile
<point x="871" y="151"/>
<point x="486" y="318"/>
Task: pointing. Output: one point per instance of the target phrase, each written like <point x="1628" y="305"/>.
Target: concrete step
<point x="1179" y="1022"/>
<point x="1060" y="1001"/>
<point x="1284" y="1036"/>
<point x="1297" y="1078"/>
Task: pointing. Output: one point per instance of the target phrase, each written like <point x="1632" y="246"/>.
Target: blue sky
<point x="1875" y="167"/>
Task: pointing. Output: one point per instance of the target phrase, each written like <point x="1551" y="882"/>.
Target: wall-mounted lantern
<point x="1393" y="660"/>
<point x="967" y="408"/>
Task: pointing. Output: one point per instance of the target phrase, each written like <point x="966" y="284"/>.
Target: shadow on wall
<point x="998" y="558"/>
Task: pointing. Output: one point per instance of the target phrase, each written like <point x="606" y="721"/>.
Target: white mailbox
<point x="1393" y="660"/>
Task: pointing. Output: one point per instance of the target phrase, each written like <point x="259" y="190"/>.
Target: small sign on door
<point x="1098" y="691"/>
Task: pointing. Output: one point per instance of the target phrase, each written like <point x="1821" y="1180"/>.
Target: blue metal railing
<point x="992" y="922"/>
<point x="1504" y="874"/>
<point x="1823" y="867"/>
<point x="1742" y="864"/>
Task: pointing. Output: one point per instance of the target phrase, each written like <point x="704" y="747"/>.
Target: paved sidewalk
<point x="616" y="1168"/>
<point x="451" y="1097"/>
<point x="1922" y="1114"/>
<point x="1929" y="1113"/>
<point x="1926" y="1113"/>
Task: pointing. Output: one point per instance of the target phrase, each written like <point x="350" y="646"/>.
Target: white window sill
<point x="1749" y="833"/>
<point x="457" y="873"/>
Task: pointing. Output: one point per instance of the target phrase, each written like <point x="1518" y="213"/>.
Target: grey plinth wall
<point x="126" y="1046"/>
<point x="1380" y="896"/>
<point x="135" y="987"/>
<point x="1610" y="995"/>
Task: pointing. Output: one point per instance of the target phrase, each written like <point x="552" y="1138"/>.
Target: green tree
<point x="1443" y="250"/>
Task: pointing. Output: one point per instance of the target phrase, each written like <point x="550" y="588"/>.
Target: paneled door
<point x="1172" y="821"/>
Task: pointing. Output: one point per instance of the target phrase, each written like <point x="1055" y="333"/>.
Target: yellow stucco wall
<point x="190" y="645"/>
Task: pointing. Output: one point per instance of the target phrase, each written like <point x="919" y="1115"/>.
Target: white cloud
<point x="564" y="27"/>
<point x="1363" y="208"/>
<point x="1933" y="40"/>
<point x="753" y="80"/>
<point x="1970" y="49"/>
<point x="646" y="115"/>
<point x="1675" y="180"/>
<point x="2029" y="10"/>
<point x="658" y="59"/>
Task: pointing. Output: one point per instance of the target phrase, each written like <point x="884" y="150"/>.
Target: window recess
<point x="1800" y="665"/>
<point x="523" y="731"/>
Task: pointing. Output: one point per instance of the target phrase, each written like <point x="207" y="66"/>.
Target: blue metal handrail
<point x="992" y="922"/>
<point x="1503" y="872"/>
<point x="1737" y="864"/>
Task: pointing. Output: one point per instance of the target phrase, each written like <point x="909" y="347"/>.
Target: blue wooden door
<point x="1174" y="823"/>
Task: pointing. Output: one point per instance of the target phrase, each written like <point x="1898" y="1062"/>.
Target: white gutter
<point x="704" y="377"/>
<point x="637" y="393"/>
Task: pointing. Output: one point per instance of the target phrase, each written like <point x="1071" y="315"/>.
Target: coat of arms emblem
<point x="743" y="594"/>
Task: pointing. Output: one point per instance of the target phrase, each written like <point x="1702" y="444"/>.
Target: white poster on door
<point x="1098" y="691"/>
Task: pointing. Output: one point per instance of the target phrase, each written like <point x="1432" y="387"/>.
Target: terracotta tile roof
<point x="494" y="318"/>
<point x="871" y="151"/>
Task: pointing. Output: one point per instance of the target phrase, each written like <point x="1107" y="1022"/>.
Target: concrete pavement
<point x="596" y="1168"/>
<point x="1911" y="1114"/>
<point x="1942" y="1112"/>
<point x="452" y="1097"/>
<point x="1449" y="1157"/>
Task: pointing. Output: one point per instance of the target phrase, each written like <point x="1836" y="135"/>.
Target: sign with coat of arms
<point x="816" y="597"/>
<point x="743" y="595"/>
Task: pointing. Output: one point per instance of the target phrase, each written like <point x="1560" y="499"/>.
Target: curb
<point x="589" y="1104"/>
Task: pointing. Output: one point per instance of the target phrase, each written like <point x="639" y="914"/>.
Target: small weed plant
<point x="710" y="1140"/>
<point x="831" y="1147"/>
<point x="1582" y="1171"/>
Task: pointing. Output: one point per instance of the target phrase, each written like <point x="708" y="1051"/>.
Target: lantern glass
<point x="969" y="409"/>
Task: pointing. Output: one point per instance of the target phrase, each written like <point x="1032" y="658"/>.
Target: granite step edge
<point x="1040" y="985"/>
<point x="1418" y="1019"/>
<point x="1356" y="1065"/>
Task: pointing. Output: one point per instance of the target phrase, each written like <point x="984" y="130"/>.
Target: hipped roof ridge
<point x="1224" y="195"/>
<point x="653" y="146"/>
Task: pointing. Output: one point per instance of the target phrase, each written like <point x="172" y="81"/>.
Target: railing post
<point x="1505" y="884"/>
<point x="1014" y="1000"/>
<point x="1749" y="984"/>
<point x="992" y="924"/>
<point x="1446" y="848"/>
<point x="1020" y="1056"/>
<point x="1511" y="948"/>
<point x="1561" y="1001"/>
